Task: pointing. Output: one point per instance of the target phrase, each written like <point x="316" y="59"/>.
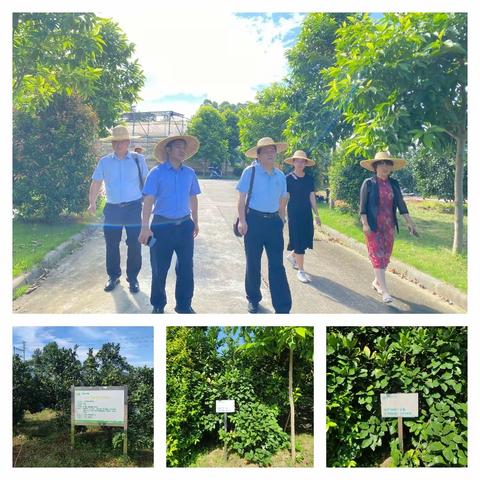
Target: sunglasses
<point x="384" y="162"/>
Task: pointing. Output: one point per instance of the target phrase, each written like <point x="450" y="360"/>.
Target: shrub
<point x="53" y="159"/>
<point x="364" y="362"/>
<point x="256" y="435"/>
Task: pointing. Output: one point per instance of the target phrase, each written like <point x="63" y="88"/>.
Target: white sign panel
<point x="225" y="406"/>
<point x="97" y="406"/>
<point x="399" y="404"/>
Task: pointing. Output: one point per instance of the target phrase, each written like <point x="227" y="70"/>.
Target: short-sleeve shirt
<point x="172" y="189"/>
<point x="268" y="188"/>
<point x="299" y="189"/>
<point x="121" y="177"/>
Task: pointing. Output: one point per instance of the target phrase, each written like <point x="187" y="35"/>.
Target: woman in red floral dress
<point x="380" y="196"/>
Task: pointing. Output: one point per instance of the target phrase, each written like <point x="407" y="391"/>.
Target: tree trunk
<point x="292" y="406"/>
<point x="458" y="218"/>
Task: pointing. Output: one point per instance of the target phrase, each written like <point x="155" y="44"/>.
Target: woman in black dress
<point x="301" y="204"/>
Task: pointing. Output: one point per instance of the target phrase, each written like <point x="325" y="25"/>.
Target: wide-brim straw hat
<point x="265" y="142"/>
<point x="398" y="163"/>
<point x="192" y="146"/>
<point x="300" y="155"/>
<point x="119" y="133"/>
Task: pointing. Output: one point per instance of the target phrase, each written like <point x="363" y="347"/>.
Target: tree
<point x="73" y="54"/>
<point x="277" y="339"/>
<point x="209" y="127"/>
<point x="401" y="81"/>
<point x="230" y="118"/>
<point x="266" y="117"/>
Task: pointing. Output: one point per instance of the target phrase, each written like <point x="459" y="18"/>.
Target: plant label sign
<point x="225" y="406"/>
<point x="105" y="406"/>
<point x="403" y="405"/>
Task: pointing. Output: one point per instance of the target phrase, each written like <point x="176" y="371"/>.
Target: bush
<point x="346" y="177"/>
<point x="256" y="435"/>
<point x="364" y="362"/>
<point x="53" y="159"/>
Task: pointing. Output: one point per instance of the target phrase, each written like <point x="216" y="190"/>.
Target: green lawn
<point x="304" y="442"/>
<point x="430" y="253"/>
<point x="43" y="440"/>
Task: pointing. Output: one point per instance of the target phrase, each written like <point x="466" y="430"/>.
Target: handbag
<point x="249" y="194"/>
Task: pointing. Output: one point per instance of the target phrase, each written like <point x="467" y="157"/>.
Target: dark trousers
<point x="116" y="218"/>
<point x="172" y="238"/>
<point x="266" y="233"/>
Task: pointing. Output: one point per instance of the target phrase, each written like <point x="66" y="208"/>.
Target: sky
<point x="225" y="57"/>
<point x="136" y="343"/>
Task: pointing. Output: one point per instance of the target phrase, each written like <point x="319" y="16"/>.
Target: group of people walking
<point x="159" y="208"/>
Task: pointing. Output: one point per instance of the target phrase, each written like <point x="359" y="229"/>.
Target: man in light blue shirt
<point x="171" y="189"/>
<point x="123" y="174"/>
<point x="262" y="224"/>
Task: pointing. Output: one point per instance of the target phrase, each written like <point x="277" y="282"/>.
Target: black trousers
<point x="266" y="233"/>
<point x="172" y="238"/>
<point x="118" y="217"/>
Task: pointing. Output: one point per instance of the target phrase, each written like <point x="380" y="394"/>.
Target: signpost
<point x="225" y="406"/>
<point x="400" y="405"/>
<point x="104" y="406"/>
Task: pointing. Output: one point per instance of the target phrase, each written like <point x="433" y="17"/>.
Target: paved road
<point x="340" y="277"/>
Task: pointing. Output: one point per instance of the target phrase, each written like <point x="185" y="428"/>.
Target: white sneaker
<point x="302" y="276"/>
<point x="292" y="261"/>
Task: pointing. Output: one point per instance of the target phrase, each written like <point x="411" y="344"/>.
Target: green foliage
<point x="53" y="159"/>
<point x="209" y="127"/>
<point x="80" y="54"/>
<point x="257" y="435"/>
<point x="45" y="380"/>
<point x="346" y="177"/>
<point x="364" y="362"/>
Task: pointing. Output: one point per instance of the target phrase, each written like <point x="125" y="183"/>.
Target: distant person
<point x="301" y="203"/>
<point x="123" y="174"/>
<point x="171" y="189"/>
<point x="380" y="197"/>
<point x="262" y="225"/>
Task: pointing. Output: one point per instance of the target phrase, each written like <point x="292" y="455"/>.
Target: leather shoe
<point x="158" y="310"/>
<point x="134" y="287"/>
<point x="184" y="310"/>
<point x="252" y="307"/>
<point x="111" y="284"/>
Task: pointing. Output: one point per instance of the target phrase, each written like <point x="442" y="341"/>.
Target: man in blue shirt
<point x="173" y="188"/>
<point x="124" y="174"/>
<point x="262" y="224"/>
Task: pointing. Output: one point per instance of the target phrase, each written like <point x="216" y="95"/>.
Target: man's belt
<point x="257" y="213"/>
<point x="125" y="204"/>
<point x="161" y="220"/>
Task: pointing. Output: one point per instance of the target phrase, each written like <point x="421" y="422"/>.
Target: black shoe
<point x="134" y="286"/>
<point x="158" y="310"/>
<point x="185" y="310"/>
<point x="111" y="284"/>
<point x="252" y="307"/>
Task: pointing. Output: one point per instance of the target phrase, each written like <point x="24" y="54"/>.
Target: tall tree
<point x="402" y="81"/>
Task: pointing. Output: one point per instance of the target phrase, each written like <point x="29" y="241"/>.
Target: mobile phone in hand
<point x="151" y="241"/>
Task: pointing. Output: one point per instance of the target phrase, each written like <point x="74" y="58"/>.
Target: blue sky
<point x="222" y="57"/>
<point x="136" y="343"/>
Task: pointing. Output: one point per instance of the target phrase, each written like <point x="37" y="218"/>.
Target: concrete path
<point x="340" y="277"/>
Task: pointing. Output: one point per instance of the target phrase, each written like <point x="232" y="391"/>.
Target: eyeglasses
<point x="384" y="162"/>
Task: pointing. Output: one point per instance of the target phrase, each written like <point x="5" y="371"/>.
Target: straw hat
<point x="300" y="155"/>
<point x="138" y="147"/>
<point x="119" y="134"/>
<point x="192" y="146"/>
<point x="265" y="142"/>
<point x="398" y="163"/>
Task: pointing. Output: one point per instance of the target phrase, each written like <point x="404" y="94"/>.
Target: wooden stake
<point x="400" y="433"/>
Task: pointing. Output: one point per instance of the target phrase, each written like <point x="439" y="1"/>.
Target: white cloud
<point x="219" y="56"/>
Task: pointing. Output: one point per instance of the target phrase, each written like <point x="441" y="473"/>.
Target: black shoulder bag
<point x="249" y="194"/>
<point x="140" y="178"/>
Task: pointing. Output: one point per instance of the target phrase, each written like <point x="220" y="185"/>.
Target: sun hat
<point x="119" y="134"/>
<point x="265" y="142"/>
<point x="192" y="146"/>
<point x="398" y="163"/>
<point x="138" y="147"/>
<point x="300" y="155"/>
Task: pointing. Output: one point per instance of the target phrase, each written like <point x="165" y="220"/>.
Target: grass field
<point x="41" y="440"/>
<point x="430" y="253"/>
<point x="214" y="458"/>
